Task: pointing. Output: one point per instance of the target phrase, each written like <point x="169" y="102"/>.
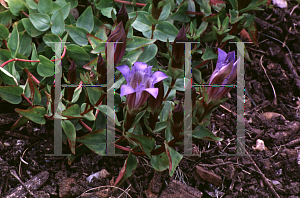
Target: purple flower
<point x="140" y="83"/>
<point x="225" y="73"/>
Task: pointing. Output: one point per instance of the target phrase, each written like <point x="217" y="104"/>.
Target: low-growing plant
<point x="145" y="102"/>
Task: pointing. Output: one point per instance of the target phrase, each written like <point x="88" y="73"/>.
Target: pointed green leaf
<point x="32" y="4"/>
<point x="146" y="143"/>
<point x="4" y="33"/>
<point x="25" y="44"/>
<point x="96" y="141"/>
<point x="77" y="53"/>
<point x="160" y="162"/>
<point x="165" y="30"/>
<point x="141" y="23"/>
<point x="138" y="42"/>
<point x="180" y="14"/>
<point x="72" y="111"/>
<point x="209" y="54"/>
<point x="30" y="29"/>
<point x="40" y="21"/>
<point x="86" y="20"/>
<point x="45" y="68"/>
<point x="174" y="158"/>
<point x="45" y="6"/>
<point x="20" y="122"/>
<point x="58" y="24"/>
<point x="79" y="35"/>
<point x="148" y="54"/>
<point x="127" y="170"/>
<point x="203" y="133"/>
<point x="35" y="114"/>
<point x="70" y="132"/>
<point x="7" y="78"/>
<point x="11" y="94"/>
<point x="109" y="112"/>
<point x="90" y="115"/>
<point x="14" y="42"/>
<point x="15" y="6"/>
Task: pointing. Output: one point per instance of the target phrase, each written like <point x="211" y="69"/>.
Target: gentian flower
<point x="225" y="73"/>
<point x="118" y="35"/>
<point x="140" y="83"/>
<point x="178" y="49"/>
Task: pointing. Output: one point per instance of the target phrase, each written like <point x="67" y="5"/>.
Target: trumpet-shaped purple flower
<point x="140" y="83"/>
<point x="225" y="73"/>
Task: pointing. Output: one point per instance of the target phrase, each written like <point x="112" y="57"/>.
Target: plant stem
<point x="30" y="74"/>
<point x="92" y="107"/>
<point x="170" y="88"/>
<point x="27" y="99"/>
<point x="85" y="125"/>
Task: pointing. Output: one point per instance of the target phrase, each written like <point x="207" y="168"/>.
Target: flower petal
<point x="159" y="76"/>
<point x="152" y="91"/>
<point x="140" y="66"/>
<point x="230" y="57"/>
<point x="126" y="89"/>
<point x="221" y="57"/>
<point x="125" y="70"/>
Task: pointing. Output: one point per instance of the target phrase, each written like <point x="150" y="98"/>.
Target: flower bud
<point x="194" y="97"/>
<point x="118" y="35"/>
<point x="225" y="74"/>
<point x="101" y="69"/>
<point x="122" y="15"/>
<point x="178" y="49"/>
<point x="154" y="103"/>
<point x="71" y="77"/>
<point x="178" y="115"/>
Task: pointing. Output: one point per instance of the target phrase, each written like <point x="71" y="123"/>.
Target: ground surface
<point x="272" y="172"/>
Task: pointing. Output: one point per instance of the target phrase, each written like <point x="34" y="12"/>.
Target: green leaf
<point x="5" y="55"/>
<point x="20" y="122"/>
<point x="70" y="132"/>
<point x="138" y="117"/>
<point x="146" y="143"/>
<point x="197" y="75"/>
<point x="201" y="132"/>
<point x="164" y="31"/>
<point x="133" y="56"/>
<point x="4" y="33"/>
<point x="160" y="162"/>
<point x="127" y="170"/>
<point x="174" y="158"/>
<point x="6" y="18"/>
<point x="94" y="94"/>
<point x="77" y="53"/>
<point x="66" y="10"/>
<point x="72" y="111"/>
<point x="165" y="111"/>
<point x="233" y="16"/>
<point x="159" y="126"/>
<point x="96" y="141"/>
<point x="25" y="44"/>
<point x="209" y="54"/>
<point x="148" y="54"/>
<point x="15" y="6"/>
<point x="11" y="94"/>
<point x="36" y="98"/>
<point x="45" y="68"/>
<point x="45" y="6"/>
<point x="7" y="78"/>
<point x="138" y="42"/>
<point x="35" y="114"/>
<point x="30" y="29"/>
<point x="204" y="6"/>
<point x="78" y="34"/>
<point x="180" y="84"/>
<point x="86" y="20"/>
<point x="214" y="18"/>
<point x="51" y="40"/>
<point x="73" y="3"/>
<point x="253" y="5"/>
<point x="234" y="4"/>
<point x="141" y="23"/>
<point x="14" y="42"/>
<point x="90" y="115"/>
<point x="40" y="21"/>
<point x="58" y="24"/>
<point x="34" y="55"/>
<point x="228" y="37"/>
<point x="253" y="32"/>
<point x="152" y="20"/>
<point x="109" y="112"/>
<point x="32" y="4"/>
<point x="93" y="40"/>
<point x="180" y="14"/>
<point x="164" y="15"/>
<point x="76" y="94"/>
<point x="100" y="122"/>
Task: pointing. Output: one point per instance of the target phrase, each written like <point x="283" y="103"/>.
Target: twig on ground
<point x="275" y="97"/>
<point x="105" y="187"/>
<point x="13" y="172"/>
<point x="266" y="180"/>
<point x="293" y="142"/>
<point x="292" y="70"/>
<point x="20" y="171"/>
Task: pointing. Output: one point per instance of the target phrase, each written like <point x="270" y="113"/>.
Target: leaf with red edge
<point x="146" y="143"/>
<point x="174" y="158"/>
<point x="90" y="64"/>
<point x="217" y="4"/>
<point x="20" y="122"/>
<point x="70" y="131"/>
<point x="34" y="91"/>
<point x="245" y="35"/>
<point x="127" y="170"/>
<point x="253" y="32"/>
<point x="201" y="132"/>
<point x="35" y="114"/>
<point x="94" y="41"/>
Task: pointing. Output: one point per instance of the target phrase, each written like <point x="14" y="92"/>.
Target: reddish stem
<point x="37" y="61"/>
<point x="25" y="14"/>
<point x="85" y="125"/>
<point x="30" y="74"/>
<point x="130" y="3"/>
<point x="5" y="43"/>
<point x="27" y="99"/>
<point x="92" y="107"/>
